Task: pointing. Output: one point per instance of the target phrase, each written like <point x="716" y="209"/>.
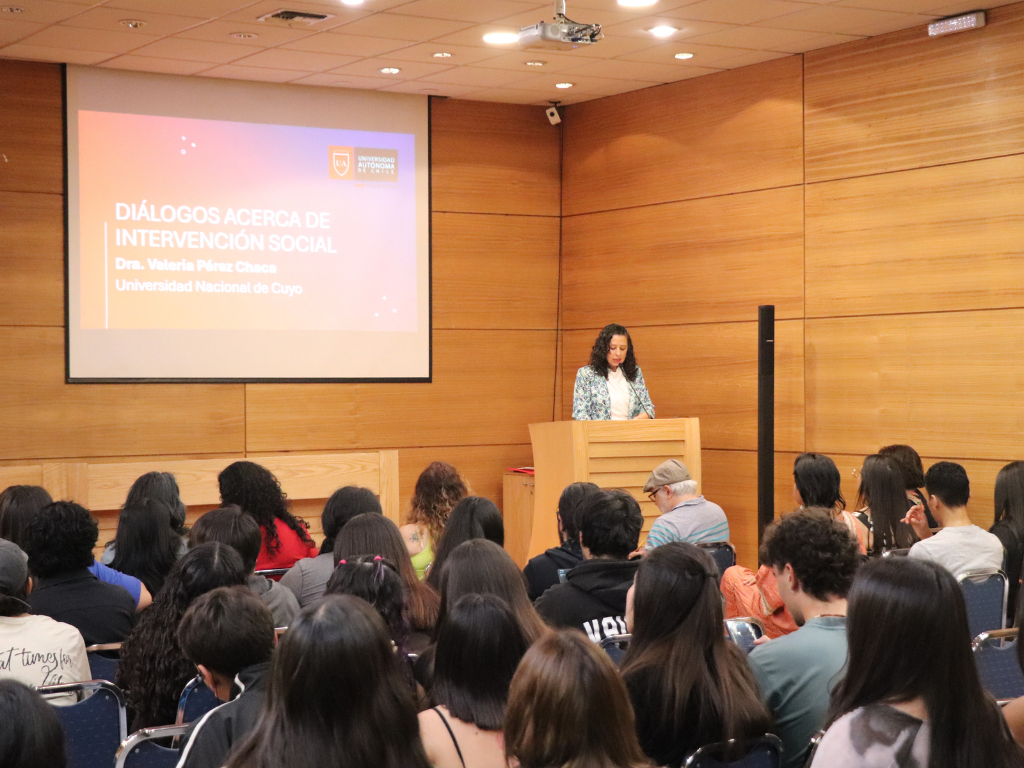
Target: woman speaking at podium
<point x="611" y="386"/>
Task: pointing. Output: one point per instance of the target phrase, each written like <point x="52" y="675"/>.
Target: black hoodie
<point x="542" y="571"/>
<point x="592" y="599"/>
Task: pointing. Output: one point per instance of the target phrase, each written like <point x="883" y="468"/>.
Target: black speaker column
<point x="765" y="417"/>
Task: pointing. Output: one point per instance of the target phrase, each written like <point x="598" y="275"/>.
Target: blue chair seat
<point x="995" y="654"/>
<point x="744" y="631"/>
<point x="615" y="646"/>
<point x="763" y="752"/>
<point x="196" y="700"/>
<point x="140" y="750"/>
<point x="94" y="727"/>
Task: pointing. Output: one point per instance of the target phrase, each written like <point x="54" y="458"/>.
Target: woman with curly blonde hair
<point x="439" y="488"/>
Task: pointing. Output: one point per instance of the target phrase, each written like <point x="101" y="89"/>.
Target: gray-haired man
<point x="685" y="515"/>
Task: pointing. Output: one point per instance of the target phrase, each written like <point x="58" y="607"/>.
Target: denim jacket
<point x="592" y="402"/>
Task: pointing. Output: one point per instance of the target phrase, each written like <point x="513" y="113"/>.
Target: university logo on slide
<point x="340" y="163"/>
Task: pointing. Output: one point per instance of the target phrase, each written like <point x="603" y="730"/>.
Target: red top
<point x="290" y="550"/>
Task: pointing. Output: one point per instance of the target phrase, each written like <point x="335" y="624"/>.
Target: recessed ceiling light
<point x="563" y="85"/>
<point x="133" y="23"/>
<point x="536" y="63"/>
<point x="389" y="70"/>
<point x="244" y="35"/>
<point x="501" y="38"/>
<point x="663" y="31"/>
<point x="442" y="55"/>
<point x="12" y="9"/>
<point x="684" y="55"/>
<point x="636" y="3"/>
<point x="351" y="2"/>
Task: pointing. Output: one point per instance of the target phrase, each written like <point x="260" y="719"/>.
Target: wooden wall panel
<point x="495" y="271"/>
<point x="729" y="132"/>
<point x="44" y="417"/>
<point x="946" y="383"/>
<point x="955" y="240"/>
<point x="488" y="385"/>
<point x="31" y="258"/>
<point x="494" y="158"/>
<point x="709" y="260"/>
<point x="31" y="127"/>
<point x="905" y="100"/>
<point x="710" y="371"/>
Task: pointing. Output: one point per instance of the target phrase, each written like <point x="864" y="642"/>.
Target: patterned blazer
<point x="592" y="402"/>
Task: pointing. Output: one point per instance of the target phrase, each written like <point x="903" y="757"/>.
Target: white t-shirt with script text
<point x="36" y="650"/>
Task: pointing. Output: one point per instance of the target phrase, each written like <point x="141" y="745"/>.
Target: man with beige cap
<point x="685" y="516"/>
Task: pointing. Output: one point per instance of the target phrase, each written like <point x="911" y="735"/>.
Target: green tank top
<point x="423" y="560"/>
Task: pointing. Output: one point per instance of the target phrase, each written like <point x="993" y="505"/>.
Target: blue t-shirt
<point x="110" y="576"/>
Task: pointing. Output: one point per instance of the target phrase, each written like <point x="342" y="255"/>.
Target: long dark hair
<point x="907" y="459"/>
<point x="1009" y="496"/>
<point x="153" y="668"/>
<point x="882" y="491"/>
<point x="473" y="518"/>
<point x="818" y="482"/>
<point x="32" y="736"/>
<point x="344" y="504"/>
<point x="908" y="637"/>
<point x="481" y="567"/>
<point x="567" y="706"/>
<point x="479" y="646"/>
<point x="255" y="489"/>
<point x="678" y="651"/>
<point x="145" y="545"/>
<point x="161" y="486"/>
<point x="375" y="580"/>
<point x="373" y="534"/>
<point x="18" y="505"/>
<point x="599" y="353"/>
<point x="336" y="696"/>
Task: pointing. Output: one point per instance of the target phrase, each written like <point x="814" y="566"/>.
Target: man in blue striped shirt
<point x="685" y="516"/>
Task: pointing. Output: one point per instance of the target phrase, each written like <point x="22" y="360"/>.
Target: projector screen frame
<point x="68" y="379"/>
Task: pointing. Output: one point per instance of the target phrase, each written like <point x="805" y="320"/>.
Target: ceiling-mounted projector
<point x="560" y="34"/>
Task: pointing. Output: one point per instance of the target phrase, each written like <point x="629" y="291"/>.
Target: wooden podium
<point x="612" y="454"/>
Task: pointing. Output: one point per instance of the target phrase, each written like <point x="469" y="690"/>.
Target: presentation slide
<point x="280" y="244"/>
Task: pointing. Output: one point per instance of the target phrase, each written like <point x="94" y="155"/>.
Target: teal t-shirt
<point x="796" y="674"/>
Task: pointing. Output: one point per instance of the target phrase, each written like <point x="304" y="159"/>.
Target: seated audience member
<point x="231" y="526"/>
<point x="20" y="503"/>
<point x="59" y="542"/>
<point x="438" y="489"/>
<point x="959" y="545"/>
<point x="912" y="471"/>
<point x="567" y="707"/>
<point x="336" y="697"/>
<point x="593" y="597"/>
<point x="308" y="577"/>
<point x="688" y="684"/>
<point x="146" y="546"/>
<point x="481" y="567"/>
<point x="373" y="534"/>
<point x="375" y="580"/>
<point x="228" y="633"/>
<point x="814" y="560"/>
<point x="35" y="650"/>
<point x="816" y="483"/>
<point x="546" y="569"/>
<point x="685" y="515"/>
<point x="479" y="646"/>
<point x="153" y="669"/>
<point x="882" y="497"/>
<point x="161" y="487"/>
<point x="1009" y="527"/>
<point x="911" y="694"/>
<point x="472" y="518"/>
<point x="255" y="489"/>
<point x="1014" y="711"/>
<point x="31" y="736"/>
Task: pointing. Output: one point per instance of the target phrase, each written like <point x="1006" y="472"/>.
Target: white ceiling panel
<point x="78" y="39"/>
<point x="235" y="72"/>
<point x="737" y="11"/>
<point x="12" y="31"/>
<point x="62" y="55"/>
<point x="346" y="45"/>
<point x="302" y="61"/>
<point x="196" y="50"/>
<point x="400" y="27"/>
<point x="164" y="66"/>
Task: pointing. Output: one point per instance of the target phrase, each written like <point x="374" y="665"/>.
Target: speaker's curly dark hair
<point x="599" y="354"/>
<point x="153" y="668"/>
<point x="255" y="489"/>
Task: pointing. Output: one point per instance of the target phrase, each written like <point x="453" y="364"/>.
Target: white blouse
<point x="618" y="389"/>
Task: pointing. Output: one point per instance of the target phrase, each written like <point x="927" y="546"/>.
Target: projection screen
<point x="233" y="231"/>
